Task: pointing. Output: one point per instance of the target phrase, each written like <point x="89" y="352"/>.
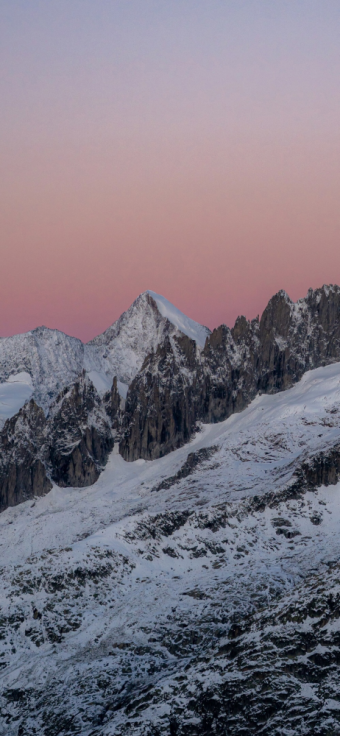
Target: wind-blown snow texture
<point x="194" y="594"/>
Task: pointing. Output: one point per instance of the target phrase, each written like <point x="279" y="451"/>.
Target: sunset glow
<point x="189" y="148"/>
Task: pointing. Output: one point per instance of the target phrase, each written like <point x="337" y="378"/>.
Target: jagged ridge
<point x="174" y="382"/>
<point x="180" y="385"/>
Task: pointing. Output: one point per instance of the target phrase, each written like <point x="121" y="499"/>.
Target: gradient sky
<point x="189" y="147"/>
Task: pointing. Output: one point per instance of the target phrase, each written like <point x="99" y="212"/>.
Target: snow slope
<point x="121" y="602"/>
<point x="13" y="395"/>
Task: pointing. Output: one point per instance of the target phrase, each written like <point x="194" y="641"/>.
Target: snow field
<point x="123" y="582"/>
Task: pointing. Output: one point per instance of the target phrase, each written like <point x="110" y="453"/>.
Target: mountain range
<point x="144" y="384"/>
<point x="170" y="555"/>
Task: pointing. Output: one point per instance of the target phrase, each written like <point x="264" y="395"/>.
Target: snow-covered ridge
<point x="186" y="325"/>
<point x="54" y="360"/>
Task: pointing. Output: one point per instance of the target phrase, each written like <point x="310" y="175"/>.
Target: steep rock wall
<point x="22" y="471"/>
<point x="173" y="391"/>
<point x="69" y="447"/>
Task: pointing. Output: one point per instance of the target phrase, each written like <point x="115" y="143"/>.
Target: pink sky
<point x="185" y="163"/>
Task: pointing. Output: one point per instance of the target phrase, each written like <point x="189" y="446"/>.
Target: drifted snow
<point x="100" y="381"/>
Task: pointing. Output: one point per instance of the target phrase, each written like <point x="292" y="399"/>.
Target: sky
<point x="190" y="147"/>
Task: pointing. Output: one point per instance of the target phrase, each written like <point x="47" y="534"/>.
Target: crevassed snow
<point x="13" y="395"/>
<point x="192" y="329"/>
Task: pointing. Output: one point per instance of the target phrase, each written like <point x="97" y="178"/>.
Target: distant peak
<point x="282" y="294"/>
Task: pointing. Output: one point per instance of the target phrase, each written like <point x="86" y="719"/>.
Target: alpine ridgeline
<point x="145" y="383"/>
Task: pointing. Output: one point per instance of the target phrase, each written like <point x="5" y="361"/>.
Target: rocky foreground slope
<point x="194" y="594"/>
<point x="145" y="384"/>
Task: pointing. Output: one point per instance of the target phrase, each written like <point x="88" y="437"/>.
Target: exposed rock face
<point x="228" y="369"/>
<point x="22" y="472"/>
<point x="297" y="337"/>
<point x="79" y="436"/>
<point x="178" y="386"/>
<point x="70" y="446"/>
<point x="161" y="409"/>
<point x="271" y="354"/>
<point x="114" y="405"/>
<point x="321" y="470"/>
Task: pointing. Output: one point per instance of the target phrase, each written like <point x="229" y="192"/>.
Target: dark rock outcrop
<point x="70" y="446"/>
<point x="113" y="402"/>
<point x="179" y="386"/>
<point x="229" y="365"/>
<point x="321" y="470"/>
<point x="79" y="436"/>
<point x="161" y="409"/>
<point x="192" y="462"/>
<point x="22" y="471"/>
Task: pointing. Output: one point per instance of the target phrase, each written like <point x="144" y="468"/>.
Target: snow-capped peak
<point x="122" y="348"/>
<point x="183" y="323"/>
<point x="54" y="360"/>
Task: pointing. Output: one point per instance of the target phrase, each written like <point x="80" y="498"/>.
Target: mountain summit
<point x="120" y="351"/>
<point x="55" y="360"/>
